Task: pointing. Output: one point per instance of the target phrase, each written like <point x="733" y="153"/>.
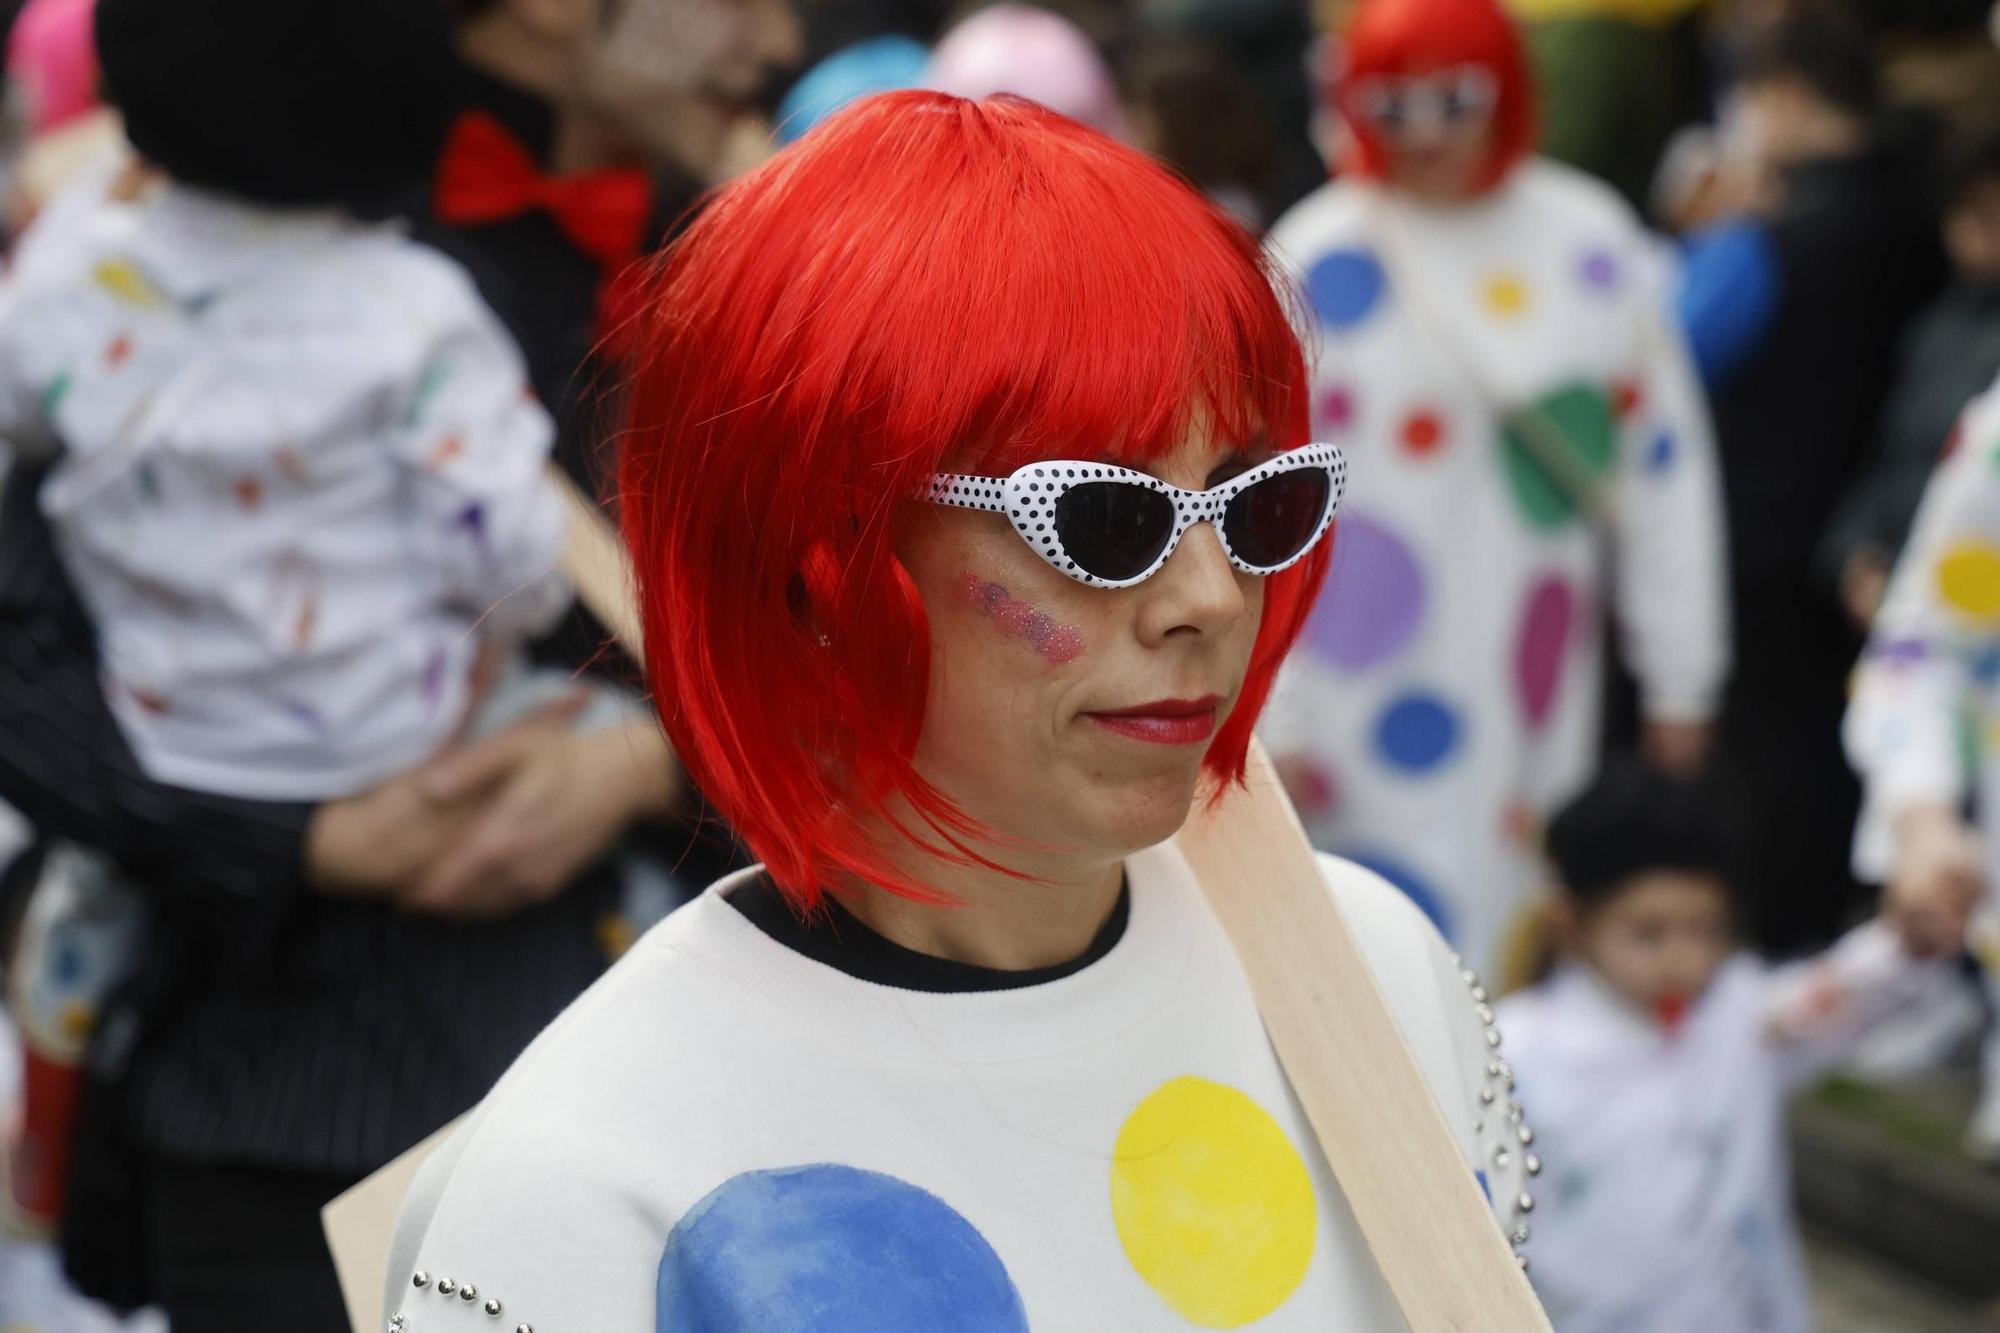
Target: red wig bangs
<point x="1407" y="37"/>
<point x="921" y="284"/>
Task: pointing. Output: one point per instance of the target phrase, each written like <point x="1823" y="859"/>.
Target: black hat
<point x="281" y="101"/>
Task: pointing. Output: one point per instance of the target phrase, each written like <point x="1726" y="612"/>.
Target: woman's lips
<point x="1164" y="721"/>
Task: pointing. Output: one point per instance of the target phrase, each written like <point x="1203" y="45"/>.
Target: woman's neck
<point x="993" y="919"/>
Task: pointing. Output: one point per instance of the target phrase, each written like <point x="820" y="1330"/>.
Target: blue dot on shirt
<point x="1417" y="732"/>
<point x="1344" y="286"/>
<point x="830" y="1249"/>
<point x="1660" y="455"/>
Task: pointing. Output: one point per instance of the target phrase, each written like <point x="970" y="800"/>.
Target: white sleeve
<point x="1819" y="1010"/>
<point x="1941" y="612"/>
<point x="477" y="445"/>
<point x="1672" y="589"/>
<point x="1444" y="1012"/>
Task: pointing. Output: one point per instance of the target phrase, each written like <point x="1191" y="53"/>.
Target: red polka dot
<point x="249" y="492"/>
<point x="1422" y="432"/>
<point x="118" y="352"/>
<point x="1953" y="440"/>
<point x="1626" y="399"/>
<point x="1335" y="409"/>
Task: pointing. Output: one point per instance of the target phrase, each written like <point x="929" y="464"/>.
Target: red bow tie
<point x="488" y="175"/>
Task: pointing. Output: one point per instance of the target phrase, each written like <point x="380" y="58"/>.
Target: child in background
<point x="1658" y="1058"/>
<point x="289" y="457"/>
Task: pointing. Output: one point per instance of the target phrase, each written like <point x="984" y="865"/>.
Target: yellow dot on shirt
<point x="124" y="281"/>
<point x="1213" y="1203"/>
<point x="1506" y="294"/>
<point x="1968" y="578"/>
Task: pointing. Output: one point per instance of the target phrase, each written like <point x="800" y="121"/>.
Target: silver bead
<point x="1493" y="1039"/>
<point x="1468" y="976"/>
<point x="493" y="1308"/>
<point x="1520" y="1236"/>
<point x="1479" y="994"/>
<point x="1514" y="1112"/>
<point x="1485" y="1012"/>
<point x="468" y="1292"/>
<point x="1526" y="1203"/>
<point x="1486" y="1096"/>
<point x="1500" y="1159"/>
<point x="446" y="1286"/>
<point x="1534" y="1164"/>
<point x="396" y="1322"/>
<point x="1494" y="1069"/>
<point x="524" y="1329"/>
<point x="1527" y="1136"/>
<point x="1522" y="1260"/>
<point x="422" y="1279"/>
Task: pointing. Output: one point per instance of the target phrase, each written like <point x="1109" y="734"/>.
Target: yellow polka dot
<point x="1968" y="578"/>
<point x="1506" y="294"/>
<point x="125" y="282"/>
<point x="1212" y="1203"/>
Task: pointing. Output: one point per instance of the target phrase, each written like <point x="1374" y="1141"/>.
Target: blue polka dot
<point x="1412" y="885"/>
<point x="1344" y="287"/>
<point x="1986" y="667"/>
<point x="1484" y="1187"/>
<point x="1660" y="455"/>
<point x="1417" y="732"/>
<point x="830" y="1249"/>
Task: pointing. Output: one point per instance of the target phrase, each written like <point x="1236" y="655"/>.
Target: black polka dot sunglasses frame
<point x="1112" y="527"/>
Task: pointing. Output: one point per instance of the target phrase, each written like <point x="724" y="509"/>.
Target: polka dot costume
<point x="1515" y="410"/>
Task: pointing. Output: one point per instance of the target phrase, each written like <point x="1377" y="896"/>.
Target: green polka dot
<point x="1581" y="415"/>
<point x="57" y="390"/>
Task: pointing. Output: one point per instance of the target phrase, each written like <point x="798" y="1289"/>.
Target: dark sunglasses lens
<point x="1114" y="530"/>
<point x="1272" y="521"/>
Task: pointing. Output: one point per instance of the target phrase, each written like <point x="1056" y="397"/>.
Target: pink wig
<point x="922" y="284"/>
<point x="1033" y="54"/>
<point x="52" y="57"/>
<point x="1405" y="37"/>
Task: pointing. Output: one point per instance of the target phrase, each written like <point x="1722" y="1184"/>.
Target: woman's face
<point x="1075" y="718"/>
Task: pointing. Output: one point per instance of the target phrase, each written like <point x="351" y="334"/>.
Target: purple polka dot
<point x="1600" y="270"/>
<point x="1374" y="600"/>
<point x="1335" y="410"/>
<point x="1542" y="647"/>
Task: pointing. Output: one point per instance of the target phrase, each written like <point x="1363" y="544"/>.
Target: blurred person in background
<point x="1949" y="355"/>
<point x="1489" y="336"/>
<point x="1854" y="255"/>
<point x="1922" y="729"/>
<point x="289" y="1034"/>
<point x="1032" y="53"/>
<point x="1659" y="1058"/>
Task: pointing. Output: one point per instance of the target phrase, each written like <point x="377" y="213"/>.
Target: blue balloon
<point x="878" y="65"/>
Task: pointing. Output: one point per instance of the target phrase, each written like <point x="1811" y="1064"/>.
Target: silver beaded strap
<point x="1501" y="1122"/>
<point x="449" y="1288"/>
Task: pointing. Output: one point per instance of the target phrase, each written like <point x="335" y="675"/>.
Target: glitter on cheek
<point x="1058" y="644"/>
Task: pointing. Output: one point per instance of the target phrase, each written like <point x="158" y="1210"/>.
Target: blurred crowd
<point x="1658" y="660"/>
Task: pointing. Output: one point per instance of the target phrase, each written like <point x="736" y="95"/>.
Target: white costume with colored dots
<point x="1445" y="695"/>
<point x="726" y="1134"/>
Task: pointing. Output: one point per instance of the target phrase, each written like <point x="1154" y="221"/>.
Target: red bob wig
<point x="1406" y="37"/>
<point x="922" y="284"/>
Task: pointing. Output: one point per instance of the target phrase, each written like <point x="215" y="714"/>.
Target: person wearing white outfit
<point x="1531" y="452"/>
<point x="954" y="596"/>
<point x="1659" y="1060"/>
<point x="1923" y="728"/>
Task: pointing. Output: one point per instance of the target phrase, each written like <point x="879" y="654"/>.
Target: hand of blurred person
<point x="552" y="800"/>
<point x="1864" y="579"/>
<point x="384" y="840"/>
<point x="1676" y="748"/>
<point x="1935" y="882"/>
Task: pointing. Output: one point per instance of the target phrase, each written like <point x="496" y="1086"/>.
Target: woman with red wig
<point x="970" y="494"/>
<point x="1492" y="343"/>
